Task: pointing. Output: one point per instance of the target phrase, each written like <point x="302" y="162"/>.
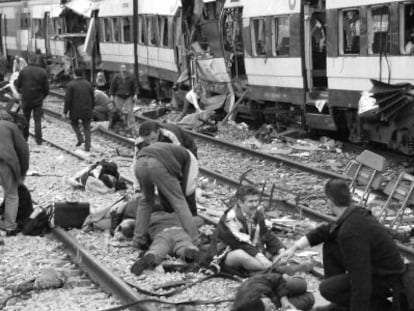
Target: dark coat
<point x="79" y="99"/>
<point x="367" y="249"/>
<point x="33" y="84"/>
<point x="14" y="150"/>
<point x="123" y="87"/>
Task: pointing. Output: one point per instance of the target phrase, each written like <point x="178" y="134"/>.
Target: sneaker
<point x="79" y="143"/>
<point x="191" y="255"/>
<point x="146" y="262"/>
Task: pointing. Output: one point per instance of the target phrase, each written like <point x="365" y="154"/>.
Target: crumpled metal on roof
<point x="81" y="7"/>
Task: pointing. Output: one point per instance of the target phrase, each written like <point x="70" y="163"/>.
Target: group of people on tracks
<point x="363" y="269"/>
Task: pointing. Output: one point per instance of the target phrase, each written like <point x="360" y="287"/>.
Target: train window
<point x="126" y="29"/>
<point x="141" y="29"/>
<point x="11" y="27"/>
<point x="59" y="27"/>
<point x="115" y="29"/>
<point x="24" y="20"/>
<point x="38" y="28"/>
<point x="280" y="36"/>
<point x="152" y="30"/>
<point x="163" y="27"/>
<point x="378" y="30"/>
<point x="351" y="25"/>
<point x="210" y="10"/>
<point x="258" y="35"/>
<point x="107" y="30"/>
<point x="407" y="29"/>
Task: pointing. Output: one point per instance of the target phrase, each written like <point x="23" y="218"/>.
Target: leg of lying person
<point x="160" y="247"/>
<point x="183" y="246"/>
<point x="143" y="172"/>
<point x="11" y="197"/>
<point x="171" y="188"/>
<point x="240" y="259"/>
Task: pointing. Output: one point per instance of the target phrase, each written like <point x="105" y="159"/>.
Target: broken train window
<point x="163" y="26"/>
<point x="280" y="36"/>
<point x="407" y="28"/>
<point x="378" y="30"/>
<point x="38" y="28"/>
<point x="258" y="35"/>
<point x="126" y="29"/>
<point x="141" y="29"/>
<point x="107" y="30"/>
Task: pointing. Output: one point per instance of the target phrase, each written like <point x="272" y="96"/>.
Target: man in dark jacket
<point x="151" y="132"/>
<point x="167" y="167"/>
<point x="361" y="261"/>
<point x="79" y="102"/>
<point x="14" y="163"/>
<point x="123" y="89"/>
<point x="242" y="228"/>
<point x="33" y="85"/>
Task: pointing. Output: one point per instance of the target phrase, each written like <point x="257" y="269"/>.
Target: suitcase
<point x="69" y="214"/>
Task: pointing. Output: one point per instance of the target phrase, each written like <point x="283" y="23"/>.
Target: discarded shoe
<point x="192" y="255"/>
<point x="146" y="262"/>
<point x="79" y="143"/>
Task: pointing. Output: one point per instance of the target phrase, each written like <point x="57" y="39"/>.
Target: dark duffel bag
<point x="69" y="214"/>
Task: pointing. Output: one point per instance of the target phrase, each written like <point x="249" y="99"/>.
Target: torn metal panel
<point x="116" y="8"/>
<point x="81" y="7"/>
<point x="213" y="70"/>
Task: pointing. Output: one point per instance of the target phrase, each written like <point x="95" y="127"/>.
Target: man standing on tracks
<point x="14" y="163"/>
<point x="79" y="102"/>
<point x="362" y="263"/>
<point x="123" y="92"/>
<point x="173" y="171"/>
<point x="33" y="85"/>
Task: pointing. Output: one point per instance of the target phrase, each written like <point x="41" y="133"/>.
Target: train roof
<point x="253" y="8"/>
<point x="339" y="4"/>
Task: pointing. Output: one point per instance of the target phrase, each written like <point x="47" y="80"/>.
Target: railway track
<point x="291" y="205"/>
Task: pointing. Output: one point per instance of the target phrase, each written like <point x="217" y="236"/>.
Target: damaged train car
<point x="292" y="63"/>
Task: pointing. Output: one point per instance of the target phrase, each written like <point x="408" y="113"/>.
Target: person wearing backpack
<point x="14" y="163"/>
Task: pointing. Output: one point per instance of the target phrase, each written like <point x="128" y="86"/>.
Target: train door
<point x="232" y="40"/>
<point x="315" y="48"/>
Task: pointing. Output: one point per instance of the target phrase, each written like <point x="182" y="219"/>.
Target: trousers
<point x="126" y="105"/>
<point x="171" y="241"/>
<point x="86" y="124"/>
<point x="11" y="197"/>
<point x="336" y="286"/>
<point x="152" y="173"/>
<point x="37" y="117"/>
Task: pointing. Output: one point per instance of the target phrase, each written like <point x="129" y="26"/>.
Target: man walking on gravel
<point x="14" y="163"/>
<point x="169" y="168"/>
<point x="123" y="89"/>
<point x="79" y="102"/>
<point x="362" y="263"/>
<point x="33" y="84"/>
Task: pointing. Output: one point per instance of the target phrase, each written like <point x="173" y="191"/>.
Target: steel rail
<point x="405" y="250"/>
<point x="266" y="156"/>
<point x="151" y="115"/>
<point x="106" y="279"/>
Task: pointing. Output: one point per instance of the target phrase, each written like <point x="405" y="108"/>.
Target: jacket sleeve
<point x="318" y="235"/>
<point x="68" y="99"/>
<point x="45" y="85"/>
<point x="22" y="150"/>
<point x="357" y="260"/>
<point x="227" y="237"/>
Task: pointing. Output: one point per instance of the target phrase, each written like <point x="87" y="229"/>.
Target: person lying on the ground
<point x="242" y="228"/>
<point x="168" y="237"/>
<point x="268" y="291"/>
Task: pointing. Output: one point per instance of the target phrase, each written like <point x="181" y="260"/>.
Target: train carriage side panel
<point x="273" y="59"/>
<point x="10" y="28"/>
<point x="57" y="27"/>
